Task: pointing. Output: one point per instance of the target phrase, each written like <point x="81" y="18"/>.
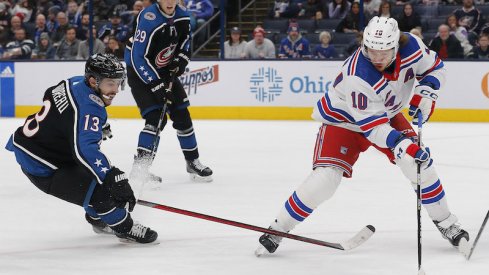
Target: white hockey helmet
<point x="381" y="33"/>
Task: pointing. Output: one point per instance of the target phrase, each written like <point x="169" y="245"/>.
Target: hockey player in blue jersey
<point x="159" y="48"/>
<point x="58" y="150"/>
<point x="389" y="71"/>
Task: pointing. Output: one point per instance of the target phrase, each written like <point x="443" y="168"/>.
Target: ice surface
<point x="257" y="164"/>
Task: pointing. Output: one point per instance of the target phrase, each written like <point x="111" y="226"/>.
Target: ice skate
<point x="269" y="243"/>
<point x="199" y="172"/>
<point x="138" y="234"/>
<point x="452" y="231"/>
<point x="140" y="172"/>
<point x="99" y="226"/>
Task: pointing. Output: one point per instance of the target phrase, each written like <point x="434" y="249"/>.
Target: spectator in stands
<point x="101" y="10"/>
<point x="355" y="44"/>
<point x="68" y="48"/>
<point x="446" y="44"/>
<point x="74" y="13"/>
<point x="338" y="9"/>
<point x="82" y="28"/>
<point x="314" y="9"/>
<point x="371" y="7"/>
<point x="42" y="6"/>
<point x="284" y="9"/>
<point x="324" y="50"/>
<point x="482" y="50"/>
<point x="24" y="7"/>
<point x="385" y="9"/>
<point x="351" y="23"/>
<point x="460" y="33"/>
<point x="470" y="18"/>
<point x="15" y="24"/>
<point x="200" y="11"/>
<point x="40" y="27"/>
<point x="52" y="23"/>
<point x="260" y="47"/>
<point x="4" y="23"/>
<point x="129" y="16"/>
<point x="294" y="45"/>
<point x="83" y="47"/>
<point x="63" y="25"/>
<point x="408" y="19"/>
<point x="114" y="47"/>
<point x="114" y="28"/>
<point x="147" y="3"/>
<point x="44" y="49"/>
<point x="235" y="47"/>
<point x="20" y="48"/>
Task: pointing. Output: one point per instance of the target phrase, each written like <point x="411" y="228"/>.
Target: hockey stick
<point x="349" y="244"/>
<point x="418" y="195"/>
<point x="163" y="114"/>
<point x="158" y="129"/>
<point x="478" y="236"/>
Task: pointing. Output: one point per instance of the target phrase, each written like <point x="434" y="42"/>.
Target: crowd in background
<point x="59" y="29"/>
<point x="464" y="33"/>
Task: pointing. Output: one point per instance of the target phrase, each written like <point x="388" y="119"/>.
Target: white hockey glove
<point x="405" y="147"/>
<point x="106" y="131"/>
<point x="423" y="101"/>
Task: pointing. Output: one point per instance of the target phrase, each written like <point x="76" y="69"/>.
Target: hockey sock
<point x="319" y="186"/>
<point x="188" y="143"/>
<point x="433" y="196"/>
<point x="146" y="141"/>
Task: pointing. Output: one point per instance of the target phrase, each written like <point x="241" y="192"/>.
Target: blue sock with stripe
<point x="188" y="143"/>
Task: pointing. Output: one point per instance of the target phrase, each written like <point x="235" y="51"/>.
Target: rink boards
<point x="245" y="89"/>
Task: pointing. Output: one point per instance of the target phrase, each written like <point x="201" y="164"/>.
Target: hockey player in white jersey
<point x="362" y="110"/>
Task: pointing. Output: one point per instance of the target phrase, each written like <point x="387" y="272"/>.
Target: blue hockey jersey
<point x="66" y="131"/>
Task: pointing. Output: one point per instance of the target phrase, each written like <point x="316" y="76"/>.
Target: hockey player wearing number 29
<point x="58" y="149"/>
<point x="363" y="110"/>
<point x="160" y="48"/>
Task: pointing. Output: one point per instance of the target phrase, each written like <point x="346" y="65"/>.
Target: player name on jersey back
<point x="60" y="97"/>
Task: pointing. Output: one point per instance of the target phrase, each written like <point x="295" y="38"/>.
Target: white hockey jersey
<point x="362" y="98"/>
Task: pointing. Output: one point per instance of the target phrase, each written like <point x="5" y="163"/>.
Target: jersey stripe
<point x="75" y="131"/>
<point x="373" y="121"/>
<point x="332" y="114"/>
<point x="353" y="63"/>
<point x="41" y="160"/>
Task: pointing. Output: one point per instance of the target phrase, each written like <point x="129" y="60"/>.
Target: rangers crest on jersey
<point x="97" y="100"/>
<point x="149" y="16"/>
<point x="164" y="57"/>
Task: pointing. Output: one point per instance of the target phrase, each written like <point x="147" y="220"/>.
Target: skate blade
<point x="260" y="251"/>
<point x="134" y="243"/>
<point x="197" y="178"/>
<point x="103" y="232"/>
<point x="464" y="247"/>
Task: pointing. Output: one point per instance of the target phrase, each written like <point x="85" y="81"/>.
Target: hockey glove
<point x="178" y="64"/>
<point x="160" y="88"/>
<point x="423" y="101"/>
<point x="118" y="185"/>
<point x="405" y="147"/>
<point x="106" y="131"/>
